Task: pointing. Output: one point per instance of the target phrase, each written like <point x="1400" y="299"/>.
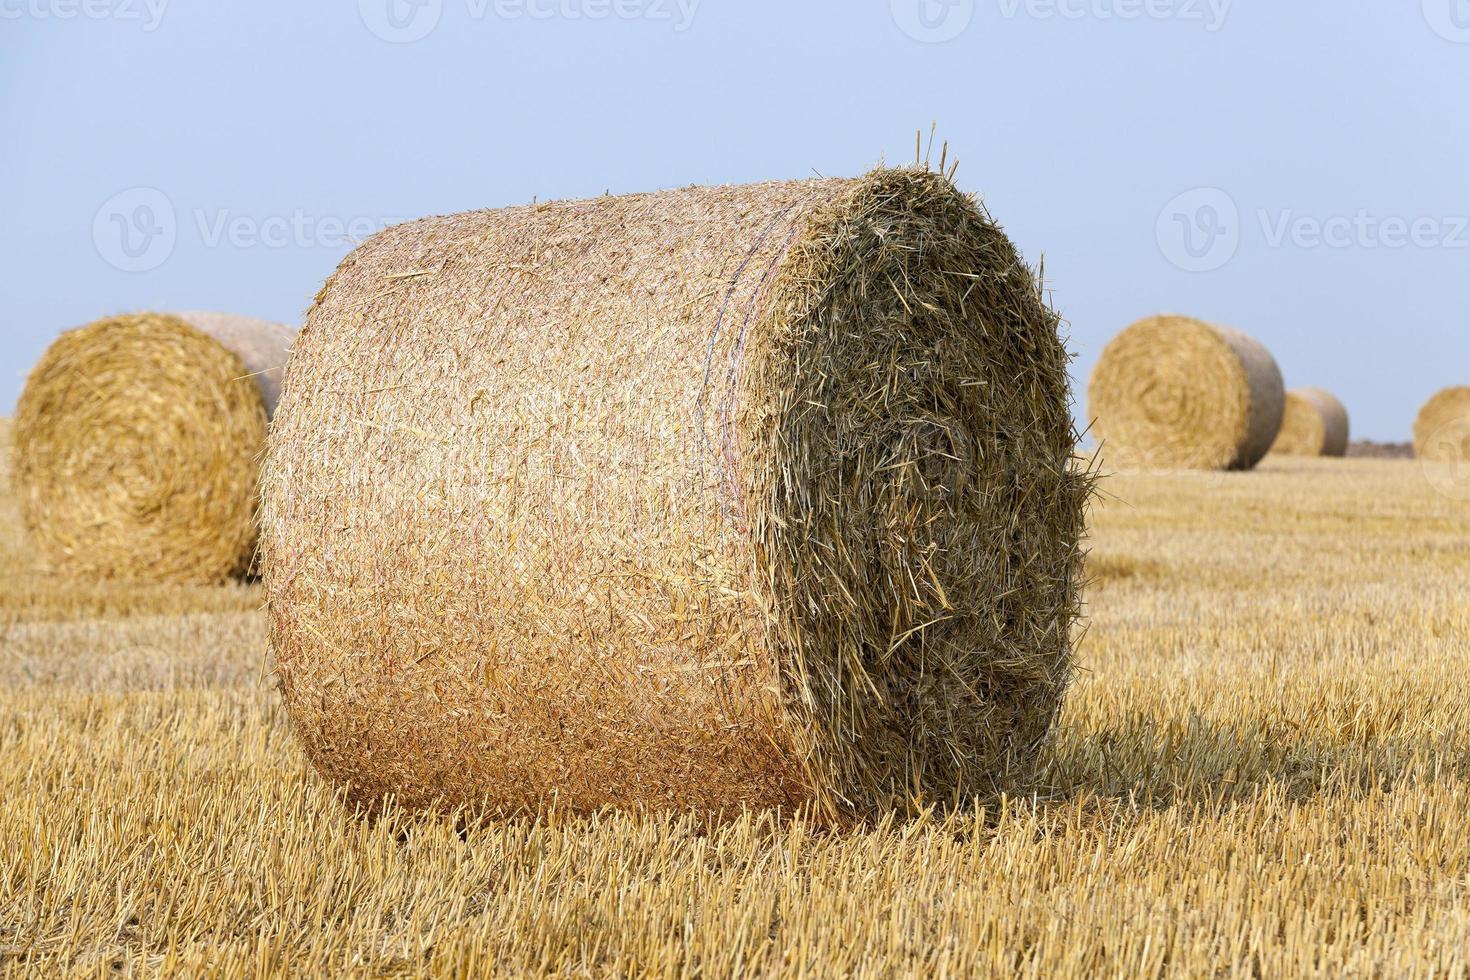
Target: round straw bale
<point x="1172" y="392"/>
<point x="699" y="499"/>
<point x="137" y="445"/>
<point x="1315" y="424"/>
<point x="1442" y="430"/>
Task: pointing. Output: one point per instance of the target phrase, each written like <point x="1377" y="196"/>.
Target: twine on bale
<point x="1442" y="429"/>
<point x="1315" y="423"/>
<point x="137" y="445"/>
<point x="718" y="497"/>
<point x="1173" y="392"/>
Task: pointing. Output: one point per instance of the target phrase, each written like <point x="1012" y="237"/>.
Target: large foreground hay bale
<point x="138" y="441"/>
<point x="1315" y="424"/>
<point x="1172" y="392"/>
<point x="1442" y="430"/>
<point x="705" y="498"/>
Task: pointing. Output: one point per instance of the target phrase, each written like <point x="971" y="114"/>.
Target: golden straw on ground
<point x="1174" y="392"/>
<point x="137" y="445"/>
<point x="713" y="497"/>
<point x="1315" y="424"/>
<point x="1442" y="430"/>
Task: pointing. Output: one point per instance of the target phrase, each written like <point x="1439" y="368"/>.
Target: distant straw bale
<point x="698" y="499"/>
<point x="1315" y="424"/>
<point x="137" y="445"/>
<point x="1172" y="392"/>
<point x="1442" y="430"/>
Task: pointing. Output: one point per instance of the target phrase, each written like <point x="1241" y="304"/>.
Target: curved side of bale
<point x="1442" y="430"/>
<point x="1303" y="428"/>
<point x="261" y="345"/>
<point x="1266" y="394"/>
<point x="1335" y="416"/>
<point x="710" y="498"/>
<point x="137" y="447"/>
<point x="1315" y="424"/>
<point x="1176" y="392"/>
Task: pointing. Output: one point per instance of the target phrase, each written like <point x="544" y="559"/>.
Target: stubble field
<point x="1263" y="770"/>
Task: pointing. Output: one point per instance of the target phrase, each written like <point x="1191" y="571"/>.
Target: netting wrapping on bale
<point x="1175" y="392"/>
<point x="717" y="497"/>
<point x="1315" y="423"/>
<point x="137" y="445"/>
<point x="1442" y="429"/>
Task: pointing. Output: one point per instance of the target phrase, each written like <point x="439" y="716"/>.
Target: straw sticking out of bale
<point x="698" y="499"/>
<point x="1442" y="430"/>
<point x="137" y="445"/>
<point x="1174" y="392"/>
<point x="1315" y="424"/>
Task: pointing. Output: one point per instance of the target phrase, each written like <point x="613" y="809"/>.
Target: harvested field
<point x="1262" y="770"/>
<point x="1368" y="449"/>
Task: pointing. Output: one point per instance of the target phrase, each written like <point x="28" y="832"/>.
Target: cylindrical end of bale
<point x="137" y="442"/>
<point x="1173" y="392"/>
<point x="1315" y="424"/>
<point x="712" y="498"/>
<point x="1442" y="430"/>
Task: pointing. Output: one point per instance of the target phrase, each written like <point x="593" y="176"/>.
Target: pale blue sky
<point x="1329" y="137"/>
